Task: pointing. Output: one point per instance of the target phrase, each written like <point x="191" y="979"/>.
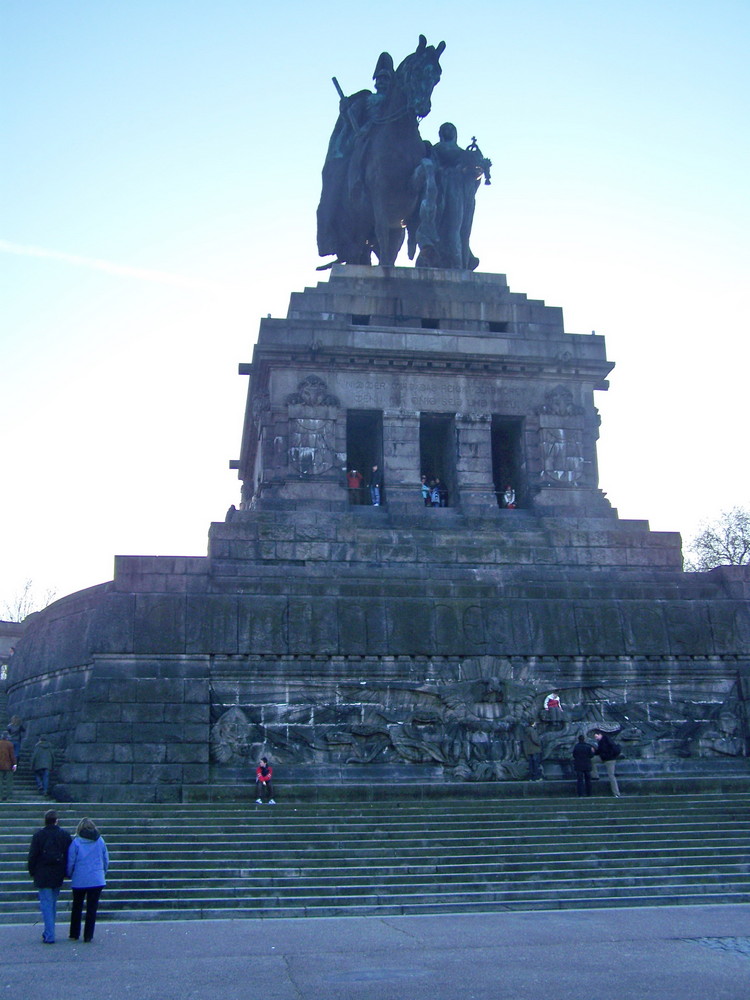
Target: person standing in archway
<point x="376" y="481"/>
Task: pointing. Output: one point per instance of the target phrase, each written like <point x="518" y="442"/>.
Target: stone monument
<point x="421" y="554"/>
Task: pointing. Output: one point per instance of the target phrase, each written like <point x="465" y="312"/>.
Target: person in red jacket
<point x="354" y="482"/>
<point x="263" y="775"/>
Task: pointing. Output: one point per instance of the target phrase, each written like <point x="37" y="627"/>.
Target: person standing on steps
<point x="42" y="761"/>
<point x="7" y="766"/>
<point x="88" y="861"/>
<point x="532" y="748"/>
<point x="16" y="732"/>
<point x="47" y="861"/>
<point x="582" y="754"/>
<point x="263" y="782"/>
<point x="607" y="751"/>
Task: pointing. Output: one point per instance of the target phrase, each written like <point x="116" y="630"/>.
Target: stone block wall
<point x="396" y="640"/>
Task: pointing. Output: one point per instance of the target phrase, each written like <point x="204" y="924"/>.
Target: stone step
<point x="676" y="894"/>
<point x="452" y="855"/>
<point x="346" y="786"/>
<point x="339" y="842"/>
<point x="354" y="537"/>
<point x="428" y="858"/>
<point x="364" y="878"/>
<point x="330" y="835"/>
<point x="404" y="892"/>
<point x="413" y="908"/>
<point x="428" y="813"/>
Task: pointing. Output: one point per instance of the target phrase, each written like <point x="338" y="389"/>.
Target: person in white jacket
<point x="553" y="707"/>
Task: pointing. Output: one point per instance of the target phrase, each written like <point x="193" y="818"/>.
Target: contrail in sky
<point x="94" y="264"/>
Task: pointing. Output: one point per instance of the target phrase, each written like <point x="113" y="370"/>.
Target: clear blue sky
<point x="160" y="176"/>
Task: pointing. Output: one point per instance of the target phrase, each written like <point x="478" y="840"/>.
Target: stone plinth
<point x="328" y="634"/>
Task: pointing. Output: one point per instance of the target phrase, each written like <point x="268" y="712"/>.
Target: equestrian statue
<point x="382" y="181"/>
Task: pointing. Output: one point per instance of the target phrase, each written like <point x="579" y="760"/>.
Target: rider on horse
<point x="356" y="115"/>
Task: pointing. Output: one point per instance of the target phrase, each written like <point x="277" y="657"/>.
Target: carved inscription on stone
<point x="435" y="394"/>
<point x="362" y="392"/>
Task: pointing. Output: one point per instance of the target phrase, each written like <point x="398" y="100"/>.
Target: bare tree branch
<point x="26" y="601"/>
<point x="723" y="542"/>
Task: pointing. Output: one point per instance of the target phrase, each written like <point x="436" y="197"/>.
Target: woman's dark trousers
<point x="91" y="896"/>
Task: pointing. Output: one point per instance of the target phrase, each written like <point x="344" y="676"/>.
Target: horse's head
<point x="418" y="75"/>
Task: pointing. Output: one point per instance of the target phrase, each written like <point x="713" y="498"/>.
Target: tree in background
<point x="723" y="542"/>
<point x="25" y="601"/>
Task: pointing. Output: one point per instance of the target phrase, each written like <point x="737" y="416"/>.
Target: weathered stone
<point x="159" y="624"/>
<point x="188" y="753"/>
<point x="320" y="632"/>
<point x="141" y="713"/>
<point x="211" y="623"/>
<point x="186" y="713"/>
<point x="162" y="690"/>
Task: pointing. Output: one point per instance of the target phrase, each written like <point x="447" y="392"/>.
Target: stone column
<point x="474" y="462"/>
<point x="401" y="458"/>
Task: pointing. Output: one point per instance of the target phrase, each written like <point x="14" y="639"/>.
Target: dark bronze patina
<point x="381" y="180"/>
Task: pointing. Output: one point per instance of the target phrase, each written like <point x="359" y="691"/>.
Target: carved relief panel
<point x="313" y="413"/>
<point x="468" y="715"/>
<point x="561" y="439"/>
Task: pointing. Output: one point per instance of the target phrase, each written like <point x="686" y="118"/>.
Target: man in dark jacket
<point x="532" y="748"/>
<point x="42" y="761"/>
<point x="48" y="856"/>
<point x="582" y="754"/>
<point x="607" y="751"/>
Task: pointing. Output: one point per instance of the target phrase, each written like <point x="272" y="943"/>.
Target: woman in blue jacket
<point x="88" y="862"/>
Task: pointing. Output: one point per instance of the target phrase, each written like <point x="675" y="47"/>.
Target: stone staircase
<point x="24" y="786"/>
<point x="282" y="543"/>
<point x="398" y="855"/>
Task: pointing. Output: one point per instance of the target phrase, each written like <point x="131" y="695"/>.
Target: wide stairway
<point x="445" y="855"/>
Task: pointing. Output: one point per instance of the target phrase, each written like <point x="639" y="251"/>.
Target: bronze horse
<point x="381" y="194"/>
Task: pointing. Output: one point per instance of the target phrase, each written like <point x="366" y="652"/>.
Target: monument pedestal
<point x="422" y="371"/>
<point x="353" y="639"/>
